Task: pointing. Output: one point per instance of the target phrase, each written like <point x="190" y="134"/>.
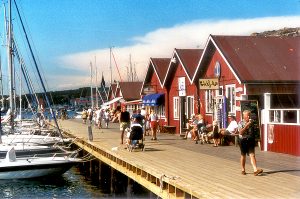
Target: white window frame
<point x="231" y="97"/>
<point x="161" y="111"/>
<point x="218" y="93"/>
<point x="176" y="107"/>
<point x="192" y="105"/>
<point x="209" y="95"/>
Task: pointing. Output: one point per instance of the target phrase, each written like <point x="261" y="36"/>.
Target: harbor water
<point x="72" y="184"/>
<point x="76" y="183"/>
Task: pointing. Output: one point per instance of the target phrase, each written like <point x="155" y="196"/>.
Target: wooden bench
<point x="169" y="129"/>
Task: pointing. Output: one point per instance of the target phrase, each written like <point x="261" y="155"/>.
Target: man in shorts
<point x="124" y="121"/>
<point x="247" y="142"/>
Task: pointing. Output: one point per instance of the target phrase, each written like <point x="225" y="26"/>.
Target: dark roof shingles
<point x="161" y="66"/>
<point x="131" y="90"/>
<point x="190" y="59"/>
<point x="262" y="59"/>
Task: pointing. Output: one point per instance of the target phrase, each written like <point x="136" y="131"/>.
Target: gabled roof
<point x="189" y="59"/>
<point x="158" y="66"/>
<point x="257" y="59"/>
<point x="112" y="90"/>
<point x="130" y="90"/>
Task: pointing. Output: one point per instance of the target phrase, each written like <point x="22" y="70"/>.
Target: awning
<point x="112" y="101"/>
<point x="153" y="99"/>
<point x="133" y="102"/>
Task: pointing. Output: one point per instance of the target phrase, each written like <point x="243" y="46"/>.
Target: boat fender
<point x="11" y="155"/>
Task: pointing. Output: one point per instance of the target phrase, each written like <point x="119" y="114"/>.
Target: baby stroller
<point x="135" y="137"/>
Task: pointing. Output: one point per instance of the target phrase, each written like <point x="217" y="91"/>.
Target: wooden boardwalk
<point x="190" y="170"/>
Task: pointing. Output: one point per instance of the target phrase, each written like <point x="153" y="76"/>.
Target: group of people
<point x="98" y="115"/>
<point x="196" y="126"/>
<point x="140" y="117"/>
<point x="148" y="121"/>
<point x="244" y="130"/>
<point x="198" y="130"/>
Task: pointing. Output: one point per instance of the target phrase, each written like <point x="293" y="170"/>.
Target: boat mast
<point x="97" y="105"/>
<point x="38" y="72"/>
<point x="1" y="84"/>
<point x="92" y="102"/>
<point x="10" y="68"/>
<point x="110" y="65"/>
<point x="20" y="91"/>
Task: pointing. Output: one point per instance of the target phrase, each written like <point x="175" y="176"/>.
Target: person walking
<point x="99" y="116"/>
<point x="124" y="122"/>
<point x="247" y="142"/>
<point x="84" y="116"/>
<point x="90" y="115"/>
<point x="153" y="124"/>
<point x="106" y="117"/>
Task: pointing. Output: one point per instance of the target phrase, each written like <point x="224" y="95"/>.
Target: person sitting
<point x="200" y="129"/>
<point x="230" y="131"/>
<point x="189" y="126"/>
<point x="194" y="124"/>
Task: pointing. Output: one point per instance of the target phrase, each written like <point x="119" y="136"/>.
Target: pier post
<point x="90" y="133"/>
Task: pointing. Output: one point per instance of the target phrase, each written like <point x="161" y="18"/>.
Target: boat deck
<point x="175" y="168"/>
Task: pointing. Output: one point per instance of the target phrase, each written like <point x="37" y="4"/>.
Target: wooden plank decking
<point x="201" y="171"/>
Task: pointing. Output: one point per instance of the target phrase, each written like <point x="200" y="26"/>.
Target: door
<point x="182" y="116"/>
<point x="219" y="111"/>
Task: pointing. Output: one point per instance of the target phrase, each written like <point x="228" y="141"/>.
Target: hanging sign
<point x="209" y="84"/>
<point x="181" y="86"/>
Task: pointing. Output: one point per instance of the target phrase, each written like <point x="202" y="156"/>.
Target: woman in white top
<point x="153" y="124"/>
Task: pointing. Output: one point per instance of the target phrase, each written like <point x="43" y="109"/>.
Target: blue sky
<point x="69" y="34"/>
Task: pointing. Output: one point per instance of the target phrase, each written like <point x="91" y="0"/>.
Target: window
<point x="160" y="110"/>
<point x="189" y="109"/>
<point x="230" y="94"/>
<point x="219" y="92"/>
<point x="176" y="107"/>
<point x="208" y="101"/>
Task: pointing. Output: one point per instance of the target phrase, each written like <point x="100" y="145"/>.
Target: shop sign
<point x="209" y="84"/>
<point x="181" y="86"/>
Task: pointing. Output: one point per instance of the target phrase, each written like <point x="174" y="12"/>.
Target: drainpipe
<point x="168" y="105"/>
<point x="198" y="100"/>
<point x="265" y="118"/>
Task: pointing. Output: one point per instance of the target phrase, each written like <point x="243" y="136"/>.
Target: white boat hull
<point x="35" y="167"/>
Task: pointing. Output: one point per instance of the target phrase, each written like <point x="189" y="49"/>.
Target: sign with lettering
<point x="209" y="84"/>
<point x="181" y="86"/>
<point x="148" y="89"/>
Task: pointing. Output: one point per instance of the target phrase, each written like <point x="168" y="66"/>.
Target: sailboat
<point x="33" y="165"/>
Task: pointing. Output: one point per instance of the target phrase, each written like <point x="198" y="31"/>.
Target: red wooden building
<point x="153" y="93"/>
<point x="124" y="93"/>
<point x="130" y="93"/>
<point x="246" y="69"/>
<point x="182" y="93"/>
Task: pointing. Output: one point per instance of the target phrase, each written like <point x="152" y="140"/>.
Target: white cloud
<point x="161" y="43"/>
